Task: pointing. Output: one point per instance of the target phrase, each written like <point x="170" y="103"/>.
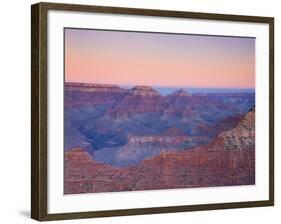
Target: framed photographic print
<point x="141" y="111"/>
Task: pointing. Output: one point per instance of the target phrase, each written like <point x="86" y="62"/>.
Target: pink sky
<point x="135" y="58"/>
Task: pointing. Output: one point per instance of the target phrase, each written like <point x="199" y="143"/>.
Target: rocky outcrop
<point x="146" y="91"/>
<point x="140" y="99"/>
<point x="214" y="164"/>
<point x="82" y="94"/>
<point x="78" y="156"/>
<point x="141" y="120"/>
<point x="179" y="93"/>
<point x="178" y="104"/>
<point x="141" y="147"/>
<point x="243" y="136"/>
<point x="85" y="175"/>
<point x="93" y="88"/>
<point x="227" y="123"/>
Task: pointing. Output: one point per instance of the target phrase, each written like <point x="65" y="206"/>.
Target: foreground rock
<point x="226" y="161"/>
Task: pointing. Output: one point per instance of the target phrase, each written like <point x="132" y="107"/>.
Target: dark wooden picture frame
<point x="39" y="107"/>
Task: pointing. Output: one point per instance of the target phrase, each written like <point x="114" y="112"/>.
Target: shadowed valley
<point x="119" y="139"/>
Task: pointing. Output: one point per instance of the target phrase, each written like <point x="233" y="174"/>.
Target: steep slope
<point x="122" y="127"/>
<point x="140" y="99"/>
<point x="81" y="94"/>
<point x="228" y="160"/>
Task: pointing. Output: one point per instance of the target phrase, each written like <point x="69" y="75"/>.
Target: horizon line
<point x="159" y="86"/>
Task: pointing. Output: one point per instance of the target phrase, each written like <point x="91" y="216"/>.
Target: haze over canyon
<point x="120" y="139"/>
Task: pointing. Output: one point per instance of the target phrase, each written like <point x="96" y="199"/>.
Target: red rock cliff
<point x="228" y="160"/>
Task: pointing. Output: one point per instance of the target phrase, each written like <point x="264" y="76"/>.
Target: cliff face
<point x="124" y="126"/>
<point x="140" y="99"/>
<point x="243" y="136"/>
<point x="228" y="160"/>
<point x="145" y="98"/>
<point x="145" y="91"/>
<point x="79" y="94"/>
<point x="214" y="164"/>
<point x="93" y="88"/>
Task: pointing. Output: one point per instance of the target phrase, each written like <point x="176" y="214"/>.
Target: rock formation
<point x="123" y="126"/>
<point x="228" y="160"/>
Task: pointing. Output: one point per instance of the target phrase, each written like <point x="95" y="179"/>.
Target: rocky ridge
<point x="141" y="120"/>
<point x="214" y="164"/>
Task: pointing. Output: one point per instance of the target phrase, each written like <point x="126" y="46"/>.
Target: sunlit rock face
<point x="81" y="95"/>
<point x="227" y="160"/>
<point x="123" y="126"/>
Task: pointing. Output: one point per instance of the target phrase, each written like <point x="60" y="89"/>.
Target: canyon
<point x="226" y="161"/>
<point x="136" y="138"/>
<point x="123" y="126"/>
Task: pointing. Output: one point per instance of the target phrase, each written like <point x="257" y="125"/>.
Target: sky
<point x="157" y="59"/>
